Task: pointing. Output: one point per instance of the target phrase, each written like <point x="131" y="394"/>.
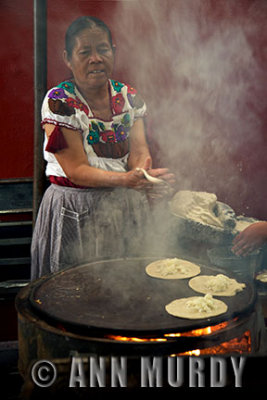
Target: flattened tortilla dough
<point x="172" y="268"/>
<point x="196" y="206"/>
<point x="217" y="285"/>
<point x="181" y="308"/>
<point x="262" y="276"/>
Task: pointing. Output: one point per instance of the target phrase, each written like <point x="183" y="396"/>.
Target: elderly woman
<point x="97" y="203"/>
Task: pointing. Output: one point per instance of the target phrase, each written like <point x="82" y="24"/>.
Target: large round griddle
<point x="118" y="297"/>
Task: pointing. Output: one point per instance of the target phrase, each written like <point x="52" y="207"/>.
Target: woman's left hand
<point x="162" y="173"/>
<point x="164" y="189"/>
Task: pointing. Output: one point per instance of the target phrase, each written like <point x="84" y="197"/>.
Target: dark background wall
<point x="16" y="76"/>
<point x="199" y="64"/>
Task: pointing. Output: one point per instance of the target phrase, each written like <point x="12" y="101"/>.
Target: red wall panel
<point x="16" y="76"/>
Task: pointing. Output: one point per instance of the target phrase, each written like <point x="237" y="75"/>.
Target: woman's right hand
<point x="135" y="179"/>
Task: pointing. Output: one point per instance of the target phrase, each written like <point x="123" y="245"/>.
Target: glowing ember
<point x="241" y="344"/>
<point x="196" y="332"/>
<point x="135" y="339"/>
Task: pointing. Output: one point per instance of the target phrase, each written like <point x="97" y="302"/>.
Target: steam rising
<point x="200" y="71"/>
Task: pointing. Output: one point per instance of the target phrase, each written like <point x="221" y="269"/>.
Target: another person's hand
<point x="250" y="239"/>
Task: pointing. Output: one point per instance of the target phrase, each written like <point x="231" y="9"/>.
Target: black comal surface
<point x="118" y="297"/>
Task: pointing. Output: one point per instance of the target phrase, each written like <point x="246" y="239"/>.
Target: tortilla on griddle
<point x="217" y="285"/>
<point x="197" y="307"/>
<point x="172" y="268"/>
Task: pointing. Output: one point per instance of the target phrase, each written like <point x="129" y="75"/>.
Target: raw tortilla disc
<point x="200" y="284"/>
<point x="178" y="308"/>
<point x="155" y="269"/>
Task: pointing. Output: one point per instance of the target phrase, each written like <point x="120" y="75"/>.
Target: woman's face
<point x="92" y="59"/>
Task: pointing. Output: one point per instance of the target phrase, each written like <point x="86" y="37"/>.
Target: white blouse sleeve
<point x="62" y="108"/>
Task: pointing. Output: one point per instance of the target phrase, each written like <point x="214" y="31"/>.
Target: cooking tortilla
<point x="262" y="276"/>
<point x="172" y="268"/>
<point x="197" y="307"/>
<point x="219" y="285"/>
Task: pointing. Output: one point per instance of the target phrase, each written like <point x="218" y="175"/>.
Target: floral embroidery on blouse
<point x="121" y="133"/>
<point x="66" y="107"/>
<point x="68" y="86"/>
<point x="108" y="136"/>
<point x="126" y="119"/>
<point x="131" y="90"/>
<point x="101" y="126"/>
<point x="93" y="136"/>
<point x="76" y="103"/>
<point x="136" y="101"/>
<point x="117" y="86"/>
<point x="57" y="93"/>
<point x="118" y="103"/>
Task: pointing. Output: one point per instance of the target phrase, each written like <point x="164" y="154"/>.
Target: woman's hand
<point x="159" y="190"/>
<point x="250" y="239"/>
<point x="135" y="179"/>
<point x="162" y="173"/>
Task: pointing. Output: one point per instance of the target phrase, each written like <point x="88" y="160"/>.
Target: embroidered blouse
<point x="106" y="143"/>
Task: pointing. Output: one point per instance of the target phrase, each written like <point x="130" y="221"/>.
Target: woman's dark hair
<point x="78" y="26"/>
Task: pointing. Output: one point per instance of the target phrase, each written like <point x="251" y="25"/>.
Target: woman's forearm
<point x="142" y="160"/>
<point x="139" y="151"/>
<point x="74" y="163"/>
<point x="85" y="175"/>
